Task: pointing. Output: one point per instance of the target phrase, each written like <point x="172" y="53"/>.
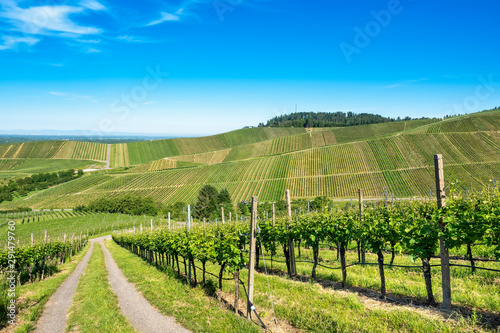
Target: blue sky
<point x="207" y="66"/>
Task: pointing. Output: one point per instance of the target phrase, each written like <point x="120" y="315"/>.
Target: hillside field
<point x="332" y="162"/>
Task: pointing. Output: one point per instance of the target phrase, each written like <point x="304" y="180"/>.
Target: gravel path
<point x="55" y="313"/>
<point x="134" y="306"/>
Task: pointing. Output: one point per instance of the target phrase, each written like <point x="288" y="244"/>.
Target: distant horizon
<point x="121" y="135"/>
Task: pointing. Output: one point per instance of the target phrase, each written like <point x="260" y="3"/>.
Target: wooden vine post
<point x="274" y="215"/>
<point x="360" y="192"/>
<point x="291" y="250"/>
<point x="251" y="261"/>
<point x="189" y="229"/>
<point x="445" y="258"/>
<point x="222" y="214"/>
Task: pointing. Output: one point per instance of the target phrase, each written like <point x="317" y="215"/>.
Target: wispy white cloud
<point x="56" y="65"/>
<point x="88" y="41"/>
<point x="133" y="39"/>
<point x="93" y="5"/>
<point x="167" y="17"/>
<point x="11" y="42"/>
<point x="45" y="19"/>
<point x="404" y="83"/>
<point x="93" y="50"/>
<point x="73" y="96"/>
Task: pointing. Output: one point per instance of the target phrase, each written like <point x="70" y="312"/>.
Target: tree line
<point x="36" y="182"/>
<point x="329" y="119"/>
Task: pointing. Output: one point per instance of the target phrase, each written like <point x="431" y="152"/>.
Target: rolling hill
<point x="265" y="161"/>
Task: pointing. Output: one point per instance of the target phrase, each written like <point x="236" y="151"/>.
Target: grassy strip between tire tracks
<point x="191" y="307"/>
<point x="95" y="306"/>
<point x="33" y="297"/>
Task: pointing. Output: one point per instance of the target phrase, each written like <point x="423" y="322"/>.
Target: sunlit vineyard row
<point x="485" y="121"/>
<point x="55" y="149"/>
<point x="184" y="184"/>
<point x="26" y="167"/>
<point x="146" y="151"/>
<point x="71" y="223"/>
<point x="255" y="142"/>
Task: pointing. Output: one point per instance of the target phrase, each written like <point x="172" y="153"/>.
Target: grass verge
<point x="313" y="308"/>
<point x="95" y="306"/>
<point x="191" y="307"/>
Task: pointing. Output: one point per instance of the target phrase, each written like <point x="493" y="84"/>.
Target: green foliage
<point x="224" y="197"/>
<point x="219" y="244"/>
<point x="39" y="181"/>
<point x="128" y="204"/>
<point x="38" y="261"/>
<point x="207" y="203"/>
<point x="327" y="119"/>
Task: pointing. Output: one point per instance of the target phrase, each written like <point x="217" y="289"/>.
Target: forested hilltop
<point x="328" y="119"/>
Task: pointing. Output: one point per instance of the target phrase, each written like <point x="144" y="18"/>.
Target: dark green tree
<point x="224" y="197"/>
<point x="207" y="203"/>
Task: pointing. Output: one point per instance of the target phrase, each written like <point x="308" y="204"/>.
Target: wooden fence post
<point x="251" y="261"/>
<point x="445" y="258"/>
<point x="291" y="249"/>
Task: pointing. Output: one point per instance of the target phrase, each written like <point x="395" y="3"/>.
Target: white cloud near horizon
<point x="404" y="83"/>
<point x="73" y="96"/>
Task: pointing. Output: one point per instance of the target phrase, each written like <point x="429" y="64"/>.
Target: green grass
<point x="95" y="306"/>
<point x="33" y="297"/>
<point x="191" y="307"/>
<point x="480" y="290"/>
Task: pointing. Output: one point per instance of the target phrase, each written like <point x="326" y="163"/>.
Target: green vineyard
<point x="397" y="157"/>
